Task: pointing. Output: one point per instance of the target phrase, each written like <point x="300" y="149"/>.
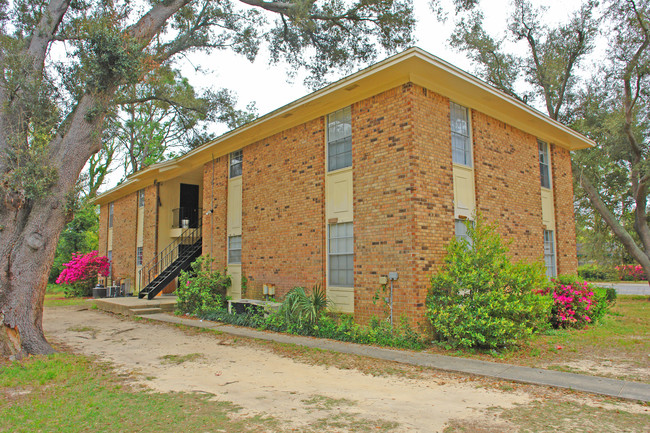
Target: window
<point x="544" y="173"/>
<point x="110" y="215"/>
<point x="109" y="255"/>
<point x="234" y="250"/>
<point x="339" y="139"/>
<point x="236" y="160"/>
<point x="141" y="198"/>
<point x="461" y="230"/>
<point x="549" y="253"/>
<point x="461" y="145"/>
<point x="138" y="256"/>
<point x="341" y="255"/>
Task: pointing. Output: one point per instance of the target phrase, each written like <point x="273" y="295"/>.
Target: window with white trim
<point x="461" y="143"/>
<point x="141" y="198"/>
<point x="544" y="166"/>
<point x="236" y="162"/>
<point x="234" y="250"/>
<point x="109" y="256"/>
<point x="339" y="139"/>
<point x="461" y="230"/>
<point x="110" y="215"/>
<point x="341" y="255"/>
<point x="549" y="253"/>
<point x="138" y="256"/>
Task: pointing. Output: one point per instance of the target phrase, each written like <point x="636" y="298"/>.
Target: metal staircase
<point x="168" y="264"/>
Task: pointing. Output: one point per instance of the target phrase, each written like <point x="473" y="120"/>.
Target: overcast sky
<point x="267" y="85"/>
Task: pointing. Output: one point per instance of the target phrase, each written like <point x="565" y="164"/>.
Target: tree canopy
<point x="66" y="65"/>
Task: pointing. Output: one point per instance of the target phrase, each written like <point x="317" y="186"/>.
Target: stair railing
<point x="169" y="254"/>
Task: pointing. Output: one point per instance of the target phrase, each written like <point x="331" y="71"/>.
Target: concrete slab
<point x="126" y="304"/>
<point x="592" y="384"/>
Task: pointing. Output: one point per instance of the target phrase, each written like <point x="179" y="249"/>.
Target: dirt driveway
<point x="256" y="378"/>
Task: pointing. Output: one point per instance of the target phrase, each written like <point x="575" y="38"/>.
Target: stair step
<point x="145" y="311"/>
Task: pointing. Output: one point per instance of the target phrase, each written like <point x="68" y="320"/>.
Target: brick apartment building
<point x="370" y="175"/>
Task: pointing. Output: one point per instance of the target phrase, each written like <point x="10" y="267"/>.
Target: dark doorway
<point x="189" y="205"/>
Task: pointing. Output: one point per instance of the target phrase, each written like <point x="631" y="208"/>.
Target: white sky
<point x="267" y="85"/>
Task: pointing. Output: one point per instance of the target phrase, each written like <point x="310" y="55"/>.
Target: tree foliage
<point x="66" y="65"/>
<point x="609" y="104"/>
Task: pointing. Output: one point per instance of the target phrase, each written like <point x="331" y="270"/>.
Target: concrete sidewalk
<point x="579" y="382"/>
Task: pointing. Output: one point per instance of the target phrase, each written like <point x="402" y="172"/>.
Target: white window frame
<point x="138" y="256"/>
<point x="338" y="119"/>
<point x="462" y="233"/>
<point x="110" y="215"/>
<point x="109" y="256"/>
<point x="141" y="198"/>
<point x="544" y="166"/>
<point x="466" y="136"/>
<point x="550" y="253"/>
<point x="236" y="167"/>
<point x="233" y="260"/>
<point x="338" y="254"/>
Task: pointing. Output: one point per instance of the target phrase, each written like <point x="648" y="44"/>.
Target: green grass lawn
<point x="55" y="297"/>
<point x="68" y="393"/>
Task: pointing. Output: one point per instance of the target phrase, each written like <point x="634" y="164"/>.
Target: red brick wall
<point x="215" y="197"/>
<point x="433" y="195"/>
<point x="383" y="182"/>
<point x="567" y="260"/>
<point x="508" y="190"/>
<point x="150" y="232"/>
<point x="103" y="229"/>
<point x="124" y="236"/>
<point x="283" y="237"/>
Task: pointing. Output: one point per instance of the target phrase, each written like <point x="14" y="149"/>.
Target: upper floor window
<point x="461" y="144"/>
<point x="544" y="169"/>
<point x="141" y="198"/>
<point x="339" y="139"/>
<point x="110" y="215"/>
<point x="236" y="160"/>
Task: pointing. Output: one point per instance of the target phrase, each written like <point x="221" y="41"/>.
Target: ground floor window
<point x="138" y="256"/>
<point x="109" y="255"/>
<point x="234" y="250"/>
<point x="549" y="253"/>
<point x="461" y="230"/>
<point x="341" y="255"/>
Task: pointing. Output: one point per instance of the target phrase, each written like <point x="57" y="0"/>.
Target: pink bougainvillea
<point x="631" y="272"/>
<point x="83" y="267"/>
<point x="571" y="304"/>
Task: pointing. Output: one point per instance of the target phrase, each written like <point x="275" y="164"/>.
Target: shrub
<point x="201" y="289"/>
<point x="480" y="298"/>
<point x="631" y="273"/>
<point x="576" y="303"/>
<point x="81" y="272"/>
<point x="594" y="272"/>
<point x="301" y="309"/>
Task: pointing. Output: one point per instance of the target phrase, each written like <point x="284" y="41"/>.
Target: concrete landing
<point x="132" y="305"/>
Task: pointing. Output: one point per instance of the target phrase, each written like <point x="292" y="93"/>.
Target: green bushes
<point x="200" y="289"/>
<point x="480" y="299"/>
<point x="304" y="314"/>
<point x="596" y="273"/>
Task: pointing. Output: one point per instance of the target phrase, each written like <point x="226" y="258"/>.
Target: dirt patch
<point x="303" y="390"/>
<point x="266" y="383"/>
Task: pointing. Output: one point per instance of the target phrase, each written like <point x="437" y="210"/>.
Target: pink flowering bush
<point x="575" y="304"/>
<point x="81" y="272"/>
<point x="631" y="272"/>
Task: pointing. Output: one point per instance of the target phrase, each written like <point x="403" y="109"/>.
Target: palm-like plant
<point x="303" y="309"/>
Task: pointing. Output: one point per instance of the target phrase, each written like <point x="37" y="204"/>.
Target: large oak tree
<point x="63" y="63"/>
